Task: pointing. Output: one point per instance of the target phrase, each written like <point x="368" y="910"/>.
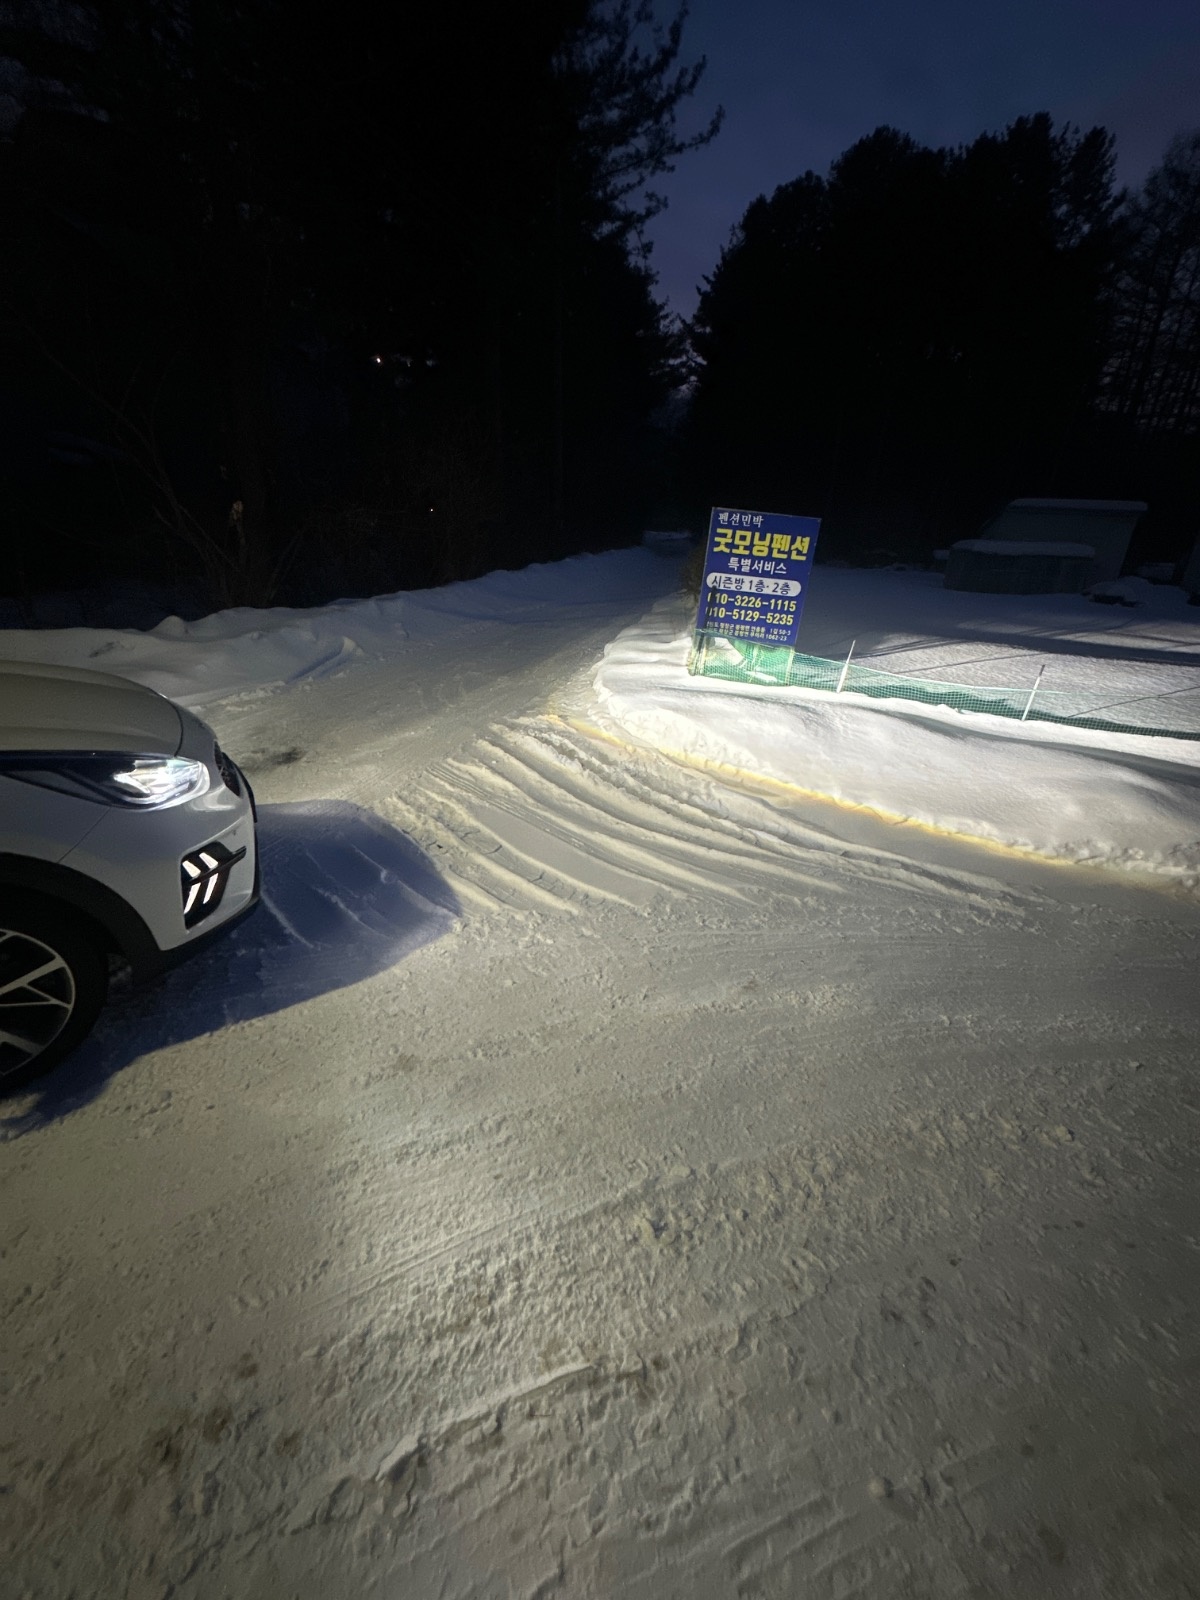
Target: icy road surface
<point x="595" y="1174"/>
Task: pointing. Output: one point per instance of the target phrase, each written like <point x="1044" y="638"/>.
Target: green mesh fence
<point x="741" y="662"/>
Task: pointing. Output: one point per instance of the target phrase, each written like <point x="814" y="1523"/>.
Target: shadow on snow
<point x="344" y="896"/>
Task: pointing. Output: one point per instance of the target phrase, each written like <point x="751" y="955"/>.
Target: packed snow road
<point x="596" y="1174"/>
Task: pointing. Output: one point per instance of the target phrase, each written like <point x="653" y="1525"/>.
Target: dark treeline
<point x="903" y="346"/>
<point x="299" y="303"/>
<point x="305" y="301"/>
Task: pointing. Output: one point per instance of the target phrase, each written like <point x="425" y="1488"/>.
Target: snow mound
<point x="1067" y="794"/>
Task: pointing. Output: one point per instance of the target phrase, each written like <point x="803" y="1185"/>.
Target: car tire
<point x="53" y="982"/>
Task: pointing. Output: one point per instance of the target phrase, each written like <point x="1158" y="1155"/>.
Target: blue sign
<point x="755" y="575"/>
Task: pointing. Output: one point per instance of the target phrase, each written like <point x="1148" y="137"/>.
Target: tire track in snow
<point x="538" y="815"/>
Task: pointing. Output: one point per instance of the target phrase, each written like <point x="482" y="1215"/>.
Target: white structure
<point x="1106" y="525"/>
<point x="1019" y="566"/>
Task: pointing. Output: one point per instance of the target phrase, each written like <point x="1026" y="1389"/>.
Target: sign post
<point x="752" y="593"/>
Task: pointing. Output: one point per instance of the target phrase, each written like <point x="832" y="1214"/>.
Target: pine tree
<point x="921" y="331"/>
<point x="357" y="299"/>
<point x="1154" y="380"/>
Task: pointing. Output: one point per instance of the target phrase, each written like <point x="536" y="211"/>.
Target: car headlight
<point x="112" y="780"/>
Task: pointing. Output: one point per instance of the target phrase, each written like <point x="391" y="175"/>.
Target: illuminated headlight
<point x="161" y="782"/>
<point x="120" y="780"/>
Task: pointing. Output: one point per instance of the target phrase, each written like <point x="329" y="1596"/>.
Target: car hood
<point x="70" y="708"/>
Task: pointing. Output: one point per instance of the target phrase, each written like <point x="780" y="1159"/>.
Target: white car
<point x="127" y="837"/>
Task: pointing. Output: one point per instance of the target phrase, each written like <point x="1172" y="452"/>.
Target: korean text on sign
<point x="755" y="575"/>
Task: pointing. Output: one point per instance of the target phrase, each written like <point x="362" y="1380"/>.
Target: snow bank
<point x="1065" y="793"/>
<point x="246" y="650"/>
<point x="1068" y="794"/>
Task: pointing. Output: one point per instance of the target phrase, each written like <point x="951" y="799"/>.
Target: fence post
<point x="1033" y="691"/>
<point x="845" y="666"/>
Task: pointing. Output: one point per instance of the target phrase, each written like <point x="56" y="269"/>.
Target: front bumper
<point x="153" y="961"/>
<point x="140" y="856"/>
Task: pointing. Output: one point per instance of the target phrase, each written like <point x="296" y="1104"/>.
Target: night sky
<point x="801" y="81"/>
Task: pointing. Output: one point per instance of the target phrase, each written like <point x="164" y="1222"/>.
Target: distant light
<point x="378" y="361"/>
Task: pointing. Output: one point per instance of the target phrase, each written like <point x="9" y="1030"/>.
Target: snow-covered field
<point x="656" y="1139"/>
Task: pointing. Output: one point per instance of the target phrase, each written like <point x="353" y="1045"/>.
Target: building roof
<point x="1124" y="507"/>
<point x="1024" y="547"/>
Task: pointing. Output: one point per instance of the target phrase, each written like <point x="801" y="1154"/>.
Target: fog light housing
<point x="203" y="876"/>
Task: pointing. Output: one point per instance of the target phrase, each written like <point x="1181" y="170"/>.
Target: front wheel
<point x="53" y="981"/>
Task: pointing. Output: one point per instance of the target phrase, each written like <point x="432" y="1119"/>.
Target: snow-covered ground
<point x="657" y="1138"/>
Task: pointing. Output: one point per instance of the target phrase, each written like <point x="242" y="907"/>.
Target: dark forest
<point x="925" y="334"/>
<point x="300" y="304"/>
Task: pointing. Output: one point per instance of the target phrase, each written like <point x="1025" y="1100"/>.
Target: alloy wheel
<point x="37" y="998"/>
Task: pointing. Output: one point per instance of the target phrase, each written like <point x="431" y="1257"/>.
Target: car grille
<point x="203" y="876"/>
<point x="229" y="773"/>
